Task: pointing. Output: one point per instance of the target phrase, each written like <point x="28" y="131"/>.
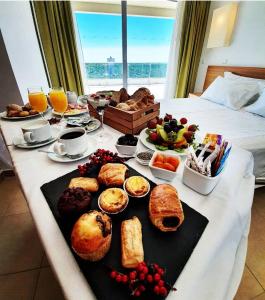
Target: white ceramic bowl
<point x="133" y="196"/>
<point x="162" y="173"/>
<point x="141" y="161"/>
<point x="198" y="182"/>
<point x="126" y="150"/>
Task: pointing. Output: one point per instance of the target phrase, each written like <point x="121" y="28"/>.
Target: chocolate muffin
<point x="74" y="202"/>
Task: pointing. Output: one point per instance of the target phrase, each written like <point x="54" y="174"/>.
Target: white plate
<point x="65" y="159"/>
<point x="144" y="135"/>
<point x="19" y="142"/>
<point x="89" y="128"/>
<point x="4" y="116"/>
<point x="80" y="112"/>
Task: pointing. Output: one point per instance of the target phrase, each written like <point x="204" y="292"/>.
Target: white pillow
<point x="258" y="107"/>
<point x="232" y="93"/>
<point x="260" y="82"/>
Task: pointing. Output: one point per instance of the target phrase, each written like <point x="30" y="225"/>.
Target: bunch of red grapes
<point x="98" y="159"/>
<point x="146" y="277"/>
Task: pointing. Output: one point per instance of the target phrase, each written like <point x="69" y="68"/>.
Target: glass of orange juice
<point x="58" y="100"/>
<point x="37" y="99"/>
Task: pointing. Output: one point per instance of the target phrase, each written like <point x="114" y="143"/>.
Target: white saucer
<point x="19" y="142"/>
<point x="64" y="159"/>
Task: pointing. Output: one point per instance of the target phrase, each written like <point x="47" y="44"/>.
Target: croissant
<point x="112" y="174"/>
<point x="165" y="209"/>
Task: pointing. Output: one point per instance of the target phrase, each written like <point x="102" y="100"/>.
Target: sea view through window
<point x="148" y="44"/>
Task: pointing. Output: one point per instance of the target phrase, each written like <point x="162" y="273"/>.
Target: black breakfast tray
<point x="170" y="250"/>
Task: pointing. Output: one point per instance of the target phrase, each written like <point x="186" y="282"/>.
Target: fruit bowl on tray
<point x="169" y="134"/>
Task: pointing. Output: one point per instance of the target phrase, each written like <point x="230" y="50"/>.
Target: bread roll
<point x="131" y="243"/>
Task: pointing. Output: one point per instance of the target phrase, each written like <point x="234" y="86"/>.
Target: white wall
<point x="22" y="46"/>
<point x="248" y="41"/>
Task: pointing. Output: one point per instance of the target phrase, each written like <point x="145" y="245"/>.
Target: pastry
<point x="112" y="174"/>
<point x="165" y="208"/>
<point x="91" y="235"/>
<point x="137" y="186"/>
<point x="123" y="106"/>
<point x="23" y="113"/>
<point x="88" y="184"/>
<point x="27" y="107"/>
<point x="33" y="112"/>
<point x="13" y="107"/>
<point x="13" y="113"/>
<point x="113" y="200"/>
<point x="73" y="202"/>
<point x="131" y="243"/>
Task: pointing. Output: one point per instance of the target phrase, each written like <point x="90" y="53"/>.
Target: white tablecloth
<point x="215" y="267"/>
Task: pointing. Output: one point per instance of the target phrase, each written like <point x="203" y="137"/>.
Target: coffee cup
<point x="71" y="141"/>
<point x="37" y="131"/>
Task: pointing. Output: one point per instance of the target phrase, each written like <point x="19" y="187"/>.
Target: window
<point x="149" y="31"/>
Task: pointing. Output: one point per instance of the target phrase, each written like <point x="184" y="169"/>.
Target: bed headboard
<point x="214" y="71"/>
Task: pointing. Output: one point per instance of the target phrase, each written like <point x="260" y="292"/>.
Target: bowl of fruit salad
<point x="168" y="133"/>
<point x="164" y="165"/>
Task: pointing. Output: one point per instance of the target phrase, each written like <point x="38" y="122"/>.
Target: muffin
<point x="91" y="235"/>
<point x="74" y="202"/>
<point x="113" y="200"/>
<point x="137" y="186"/>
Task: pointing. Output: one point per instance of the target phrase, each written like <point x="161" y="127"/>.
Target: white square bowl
<point x="198" y="182"/>
<point x="162" y="173"/>
<point x="126" y="150"/>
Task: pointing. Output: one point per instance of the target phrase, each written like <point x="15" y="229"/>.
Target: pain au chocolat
<point x="91" y="235"/>
<point x="165" y="209"/>
<point x="112" y="174"/>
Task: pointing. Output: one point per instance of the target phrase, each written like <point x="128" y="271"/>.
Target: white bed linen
<point x="242" y="128"/>
<point x="215" y="267"/>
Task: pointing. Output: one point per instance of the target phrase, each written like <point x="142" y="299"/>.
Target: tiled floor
<point x="25" y="272"/>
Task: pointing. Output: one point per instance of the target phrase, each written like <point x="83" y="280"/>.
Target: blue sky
<point x="100" y="36"/>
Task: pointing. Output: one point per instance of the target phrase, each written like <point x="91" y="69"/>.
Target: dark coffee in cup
<point x="72" y="141"/>
<point x="71" y="135"/>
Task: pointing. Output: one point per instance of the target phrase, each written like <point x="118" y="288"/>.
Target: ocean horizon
<point x="135" y="70"/>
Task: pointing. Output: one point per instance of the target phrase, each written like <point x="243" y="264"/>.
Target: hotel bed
<point x="242" y="128"/>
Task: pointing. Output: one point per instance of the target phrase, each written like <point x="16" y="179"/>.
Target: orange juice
<point x="38" y="101"/>
<point x="58" y="100"/>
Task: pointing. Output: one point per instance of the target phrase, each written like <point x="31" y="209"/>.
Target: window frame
<point x="124" y="10"/>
